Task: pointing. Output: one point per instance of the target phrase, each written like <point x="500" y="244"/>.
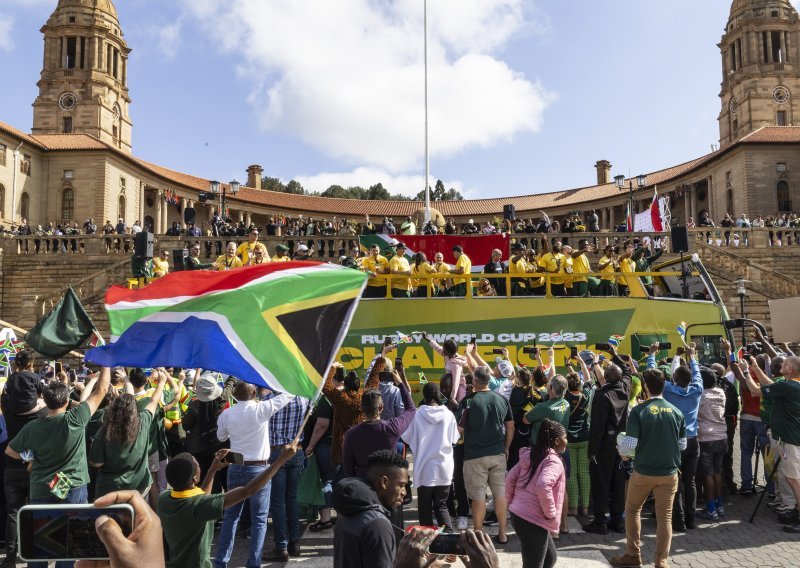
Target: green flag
<point x="67" y="327"/>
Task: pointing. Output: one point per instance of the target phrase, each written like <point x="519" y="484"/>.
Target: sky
<point x="525" y="96"/>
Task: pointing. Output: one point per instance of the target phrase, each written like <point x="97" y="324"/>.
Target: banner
<point x="654" y="219"/>
<point x="478" y="249"/>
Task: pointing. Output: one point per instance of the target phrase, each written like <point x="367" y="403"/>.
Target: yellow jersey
<point x="246" y="250"/>
<point x="626" y="265"/>
<point x="160" y="267"/>
<point x="519" y="267"/>
<point x="580" y="265"/>
<point x="440" y="268"/>
<point x="568" y="271"/>
<point x="400" y="264"/>
<point x="422" y="269"/>
<point x="607" y="273"/>
<point x="370" y="264"/>
<point x="553" y="263"/>
<point x="284" y="258"/>
<point x="465" y="263"/>
<point x="225" y="263"/>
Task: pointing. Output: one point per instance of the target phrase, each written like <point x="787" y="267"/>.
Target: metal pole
<point x="427" y="155"/>
<point x="630" y="201"/>
<point x="744" y="327"/>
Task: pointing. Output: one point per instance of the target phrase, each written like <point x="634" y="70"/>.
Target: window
<point x="72" y="19"/>
<point x="780" y="118"/>
<point x="733" y="56"/>
<point x="774" y="13"/>
<point x="729" y="203"/>
<point x="2" y="155"/>
<point x="67" y="204"/>
<point x="25" y="205"/>
<point x="25" y="165"/>
<point x="67" y="125"/>
<point x="777" y="55"/>
<point x="728" y="177"/>
<point x="784" y="199"/>
<point x="69" y="175"/>
<point x="121" y="208"/>
<point x="735" y="125"/>
<point x="115" y="132"/>
<point x="72" y="52"/>
<point x="2" y="200"/>
<point x="765" y="46"/>
<point x="781" y="167"/>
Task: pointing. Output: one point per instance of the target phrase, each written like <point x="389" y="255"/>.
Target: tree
<point x="378" y="193"/>
<point x="440" y="194"/>
<point x="272" y="184"/>
<point x="295" y="187"/>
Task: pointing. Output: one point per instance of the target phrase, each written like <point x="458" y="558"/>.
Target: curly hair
<point x="121" y="421"/>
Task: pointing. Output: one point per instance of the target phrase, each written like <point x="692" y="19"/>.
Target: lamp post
<point x="215" y="187"/>
<point x="641" y="181"/>
<point x="741" y="291"/>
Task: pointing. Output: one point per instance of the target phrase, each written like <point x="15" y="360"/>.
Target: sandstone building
<point x="79" y="162"/>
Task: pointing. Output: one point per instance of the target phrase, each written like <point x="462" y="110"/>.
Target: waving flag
<point x="277" y="325"/>
<point x="681" y="329"/>
<point x="615" y="340"/>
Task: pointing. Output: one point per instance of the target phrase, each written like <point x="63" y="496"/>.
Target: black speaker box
<point x="179" y="257"/>
<point x="189" y="215"/>
<point x="143" y="244"/>
<point x="679" y="239"/>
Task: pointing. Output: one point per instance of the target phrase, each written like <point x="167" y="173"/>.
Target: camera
<point x="602" y="346"/>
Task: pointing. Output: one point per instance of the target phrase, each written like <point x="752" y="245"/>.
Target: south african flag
<point x="277" y="325"/>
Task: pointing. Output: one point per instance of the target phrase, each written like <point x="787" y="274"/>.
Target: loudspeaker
<point x="509" y="213"/>
<point x="202" y="197"/>
<point x="189" y="215"/>
<point x="179" y="257"/>
<point x="143" y="244"/>
<point x="680" y="239"/>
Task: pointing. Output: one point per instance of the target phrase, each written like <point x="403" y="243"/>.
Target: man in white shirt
<point x="246" y="425"/>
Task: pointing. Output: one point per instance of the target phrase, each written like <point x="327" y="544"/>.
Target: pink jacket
<point x="455" y="366"/>
<point x="538" y="501"/>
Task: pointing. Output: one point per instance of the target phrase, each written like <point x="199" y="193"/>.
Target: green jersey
<point x="658" y="426"/>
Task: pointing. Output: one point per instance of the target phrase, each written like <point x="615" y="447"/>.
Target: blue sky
<point x="525" y="96"/>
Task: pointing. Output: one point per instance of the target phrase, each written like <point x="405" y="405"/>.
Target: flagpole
<point x="427" y="216"/>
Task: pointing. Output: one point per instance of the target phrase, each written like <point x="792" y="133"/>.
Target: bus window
<point x="709" y="349"/>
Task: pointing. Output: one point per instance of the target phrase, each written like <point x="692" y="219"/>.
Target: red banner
<point x="478" y="249"/>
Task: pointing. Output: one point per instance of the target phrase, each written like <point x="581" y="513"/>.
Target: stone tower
<point x="84" y="82"/>
<point x="760" y="68"/>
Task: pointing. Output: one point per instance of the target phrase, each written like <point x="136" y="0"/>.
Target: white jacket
<point x="431" y="436"/>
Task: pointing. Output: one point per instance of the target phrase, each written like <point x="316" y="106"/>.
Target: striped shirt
<point x="285" y="424"/>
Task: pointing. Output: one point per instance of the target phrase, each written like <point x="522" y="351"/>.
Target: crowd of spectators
<point x="188" y="449"/>
<point x="733" y="229"/>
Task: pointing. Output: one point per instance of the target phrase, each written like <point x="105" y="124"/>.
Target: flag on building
<point x="478" y="249"/>
<point x="277" y="325"/>
<point x="629" y="217"/>
<point x="65" y="328"/>
<point x="654" y="219"/>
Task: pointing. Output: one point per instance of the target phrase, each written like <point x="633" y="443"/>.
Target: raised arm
<point x="374" y="378"/>
<point x="759" y="373"/>
<point x="89" y="387"/>
<point x="100" y="390"/>
<point x="152" y="406"/>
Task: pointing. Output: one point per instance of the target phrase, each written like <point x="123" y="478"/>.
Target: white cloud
<point x="346" y="77"/>
<point x="169" y="38"/>
<point x="6" y="24"/>
<point x="408" y="185"/>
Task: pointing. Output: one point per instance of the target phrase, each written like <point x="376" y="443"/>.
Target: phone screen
<point x="447" y="544"/>
<point x="66" y="532"/>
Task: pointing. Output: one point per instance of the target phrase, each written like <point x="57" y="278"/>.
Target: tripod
<point x="769" y="480"/>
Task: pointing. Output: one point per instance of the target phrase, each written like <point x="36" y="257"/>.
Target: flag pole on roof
<point x="427" y="217"/>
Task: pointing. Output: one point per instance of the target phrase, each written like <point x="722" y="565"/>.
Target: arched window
<point x="67" y="204"/>
<point x="784" y="197"/>
<point x="25" y="205"/>
<point x="149" y="223"/>
<point x="121" y="208"/>
<point x="729" y="203"/>
<point x="2" y="200"/>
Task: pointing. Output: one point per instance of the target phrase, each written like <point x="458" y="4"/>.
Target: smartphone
<point x="339" y="374"/>
<point x="447" y="543"/>
<point x="474" y="339"/>
<point x="602" y="346"/>
<point x="573" y="353"/>
<point x="59" y="367"/>
<point x="66" y="532"/>
<point x="530" y="350"/>
<point x="497" y="351"/>
<point x="235" y="458"/>
<point x="398" y="362"/>
<point x="387" y="340"/>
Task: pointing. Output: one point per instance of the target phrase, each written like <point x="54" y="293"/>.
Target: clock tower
<point x="84" y="82"/>
<point x="760" y="68"/>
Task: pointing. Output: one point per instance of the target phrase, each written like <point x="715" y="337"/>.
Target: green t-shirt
<point x="124" y="467"/>
<point x="188" y="526"/>
<point x="158" y="436"/>
<point x="785" y="418"/>
<point x="58" y="444"/>
<point x="483" y="416"/>
<point x="766" y="405"/>
<point x="555" y="409"/>
<point x="658" y="426"/>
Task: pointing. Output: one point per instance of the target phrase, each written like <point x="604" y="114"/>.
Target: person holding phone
<point x="56" y="447"/>
<point x="188" y="512"/>
<point x="120" y="447"/>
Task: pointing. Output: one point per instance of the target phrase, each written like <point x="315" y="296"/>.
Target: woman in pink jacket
<point x="535" y="493"/>
<point x="453" y="364"/>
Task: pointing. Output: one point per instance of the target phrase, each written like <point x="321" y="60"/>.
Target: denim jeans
<point x="239" y="476"/>
<point x="748" y="431"/>
<point x="284" y="507"/>
<point x="327" y="471"/>
<point x="75" y="495"/>
<point x="16" y="486"/>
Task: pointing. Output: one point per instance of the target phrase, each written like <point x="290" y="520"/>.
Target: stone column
<point x="78" y="52"/>
<point x="141" y="202"/>
<point x="687" y="207"/>
<point x="611" y="218"/>
<point x="762" y="57"/>
<point x="248" y="218"/>
<point x="769" y="48"/>
<point x="159" y="213"/>
<point x="241" y="216"/>
<point x="124" y="70"/>
<point x="783" y="47"/>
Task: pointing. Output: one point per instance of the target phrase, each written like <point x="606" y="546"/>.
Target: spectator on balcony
<point x="229" y="260"/>
<point x="368" y="227"/>
<point x="174" y="230"/>
<point x="302" y="253"/>
<point x="727" y="223"/>
<point x="120" y="228"/>
<point x="136" y="227"/>
<point x="430" y="229"/>
<point x="489" y="229"/>
<point x="89" y="227"/>
<point x="690" y="223"/>
<point x="281" y="254"/>
<point x="758" y="222"/>
<point x="193" y="260"/>
<point x="246" y="251"/>
<point x="592" y="222"/>
<point x="743" y="222"/>
<point x="408" y="227"/>
<point x="193" y="231"/>
<point x="387" y="228"/>
<point x="470" y="228"/>
<point x="705" y="220"/>
<point x="450" y="228"/>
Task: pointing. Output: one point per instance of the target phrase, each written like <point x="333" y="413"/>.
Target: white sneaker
<point x="462" y="523"/>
